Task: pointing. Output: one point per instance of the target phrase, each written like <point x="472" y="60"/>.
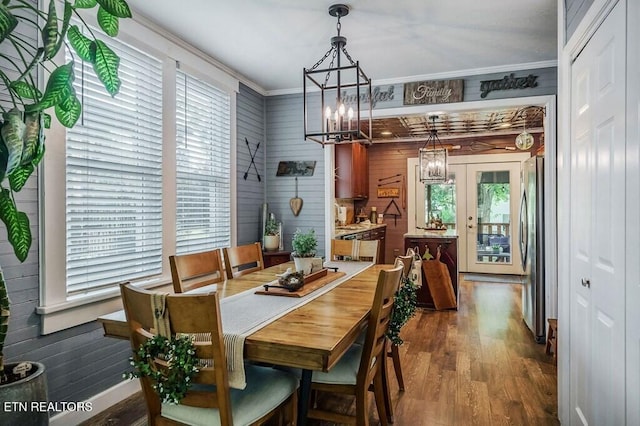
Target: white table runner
<point x="245" y="313"/>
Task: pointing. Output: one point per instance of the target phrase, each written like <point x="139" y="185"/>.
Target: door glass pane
<point x="440" y="204"/>
<point x="494" y="199"/>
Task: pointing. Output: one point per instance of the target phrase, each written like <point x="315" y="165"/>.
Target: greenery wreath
<point x="404" y="307"/>
<point x="170" y="383"/>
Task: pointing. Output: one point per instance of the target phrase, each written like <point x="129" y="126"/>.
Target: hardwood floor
<point x="475" y="366"/>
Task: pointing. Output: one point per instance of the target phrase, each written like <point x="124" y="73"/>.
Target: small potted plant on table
<point x="304" y="250"/>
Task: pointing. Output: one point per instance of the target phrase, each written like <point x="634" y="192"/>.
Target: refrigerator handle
<point x="524" y="231"/>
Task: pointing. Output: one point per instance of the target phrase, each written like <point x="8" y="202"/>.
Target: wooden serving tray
<point x="312" y="282"/>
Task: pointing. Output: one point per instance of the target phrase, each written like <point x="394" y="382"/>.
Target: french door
<point x="480" y="201"/>
<point x="491" y="219"/>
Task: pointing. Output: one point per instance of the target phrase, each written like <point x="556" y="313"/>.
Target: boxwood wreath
<point x="172" y="382"/>
<point x="404" y="308"/>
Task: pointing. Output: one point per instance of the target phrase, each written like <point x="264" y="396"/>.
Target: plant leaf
<point x="85" y="4"/>
<point x="17" y="224"/>
<point x="8" y="22"/>
<point x="105" y="64"/>
<point x="118" y="8"/>
<point x="33" y="136"/>
<point x="12" y="134"/>
<point x="65" y="25"/>
<point x="69" y="111"/>
<point x="47" y="121"/>
<point x="50" y="31"/>
<point x="4" y="157"/>
<point x="108" y="22"/>
<point x="57" y="88"/>
<point x="19" y="177"/>
<point x="25" y="90"/>
<point x="80" y="43"/>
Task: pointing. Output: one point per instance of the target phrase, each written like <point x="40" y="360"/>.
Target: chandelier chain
<point x="317" y="64"/>
<point x="333" y="58"/>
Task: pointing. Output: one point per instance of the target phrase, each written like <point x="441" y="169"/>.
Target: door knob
<point x="586" y="283"/>
<point x="470" y="226"/>
<point x="470" y="217"/>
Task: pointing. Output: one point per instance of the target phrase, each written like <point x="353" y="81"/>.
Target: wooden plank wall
<point x="250" y="119"/>
<point x="285" y="136"/>
<point x="390" y="159"/>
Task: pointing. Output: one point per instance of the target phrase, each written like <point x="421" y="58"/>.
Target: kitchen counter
<point x="355" y="228"/>
<point x="425" y="233"/>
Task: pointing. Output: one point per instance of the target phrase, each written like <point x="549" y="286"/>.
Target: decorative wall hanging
<point x="296" y="168"/>
<point x="296" y="202"/>
<point x="253" y="163"/>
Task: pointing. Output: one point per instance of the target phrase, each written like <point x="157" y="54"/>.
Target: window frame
<point x="57" y="310"/>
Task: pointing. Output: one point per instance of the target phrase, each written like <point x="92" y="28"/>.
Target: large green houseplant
<point x="26" y="109"/>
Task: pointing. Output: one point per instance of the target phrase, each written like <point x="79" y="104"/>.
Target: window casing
<point x="72" y="296"/>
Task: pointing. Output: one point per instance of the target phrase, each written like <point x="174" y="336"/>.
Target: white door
<point x="491" y="220"/>
<point x="597" y="333"/>
<point x="456" y="203"/>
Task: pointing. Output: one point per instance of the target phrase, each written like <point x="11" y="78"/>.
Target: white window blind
<point x="203" y="171"/>
<point x="114" y="176"/>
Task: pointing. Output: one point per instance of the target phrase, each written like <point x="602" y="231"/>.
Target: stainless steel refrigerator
<point x="532" y="246"/>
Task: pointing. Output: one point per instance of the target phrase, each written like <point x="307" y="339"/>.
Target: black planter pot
<point x="18" y="399"/>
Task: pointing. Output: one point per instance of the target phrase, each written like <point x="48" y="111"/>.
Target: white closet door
<point x="633" y="218"/>
<point x="597" y="268"/>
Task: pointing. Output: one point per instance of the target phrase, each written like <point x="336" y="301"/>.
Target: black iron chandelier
<point x="433" y="158"/>
<point x="337" y="111"/>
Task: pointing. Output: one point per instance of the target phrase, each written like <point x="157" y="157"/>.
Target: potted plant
<point x="25" y="116"/>
<point x="271" y="234"/>
<point x="304" y="249"/>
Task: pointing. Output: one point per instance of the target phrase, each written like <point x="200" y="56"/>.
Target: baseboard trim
<point x="99" y="403"/>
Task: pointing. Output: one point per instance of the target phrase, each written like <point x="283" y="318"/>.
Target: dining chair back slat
<point x="241" y="260"/>
<point x="195" y="270"/>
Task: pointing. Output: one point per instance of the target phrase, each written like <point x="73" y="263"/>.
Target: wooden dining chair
<point x="241" y="260"/>
<point x="368" y="250"/>
<point x="343" y="249"/>
<point x="210" y="400"/>
<point x="354" y="250"/>
<point x="363" y="365"/>
<point x="394" y="350"/>
<point x="191" y="271"/>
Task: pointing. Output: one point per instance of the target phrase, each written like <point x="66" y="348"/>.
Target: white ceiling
<point x="270" y="41"/>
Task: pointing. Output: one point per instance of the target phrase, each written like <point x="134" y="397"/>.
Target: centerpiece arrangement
<point x="304" y="250"/>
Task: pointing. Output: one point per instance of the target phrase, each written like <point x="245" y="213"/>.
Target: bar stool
<point x="552" y="338"/>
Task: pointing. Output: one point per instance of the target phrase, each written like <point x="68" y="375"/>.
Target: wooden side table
<point x="275" y="257"/>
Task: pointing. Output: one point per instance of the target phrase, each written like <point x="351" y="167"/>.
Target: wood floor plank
<point x="475" y="366"/>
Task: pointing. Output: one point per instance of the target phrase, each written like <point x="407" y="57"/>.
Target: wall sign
<point x="507" y="83"/>
<point x="296" y="168"/>
<point x="378" y="95"/>
<point x="433" y="92"/>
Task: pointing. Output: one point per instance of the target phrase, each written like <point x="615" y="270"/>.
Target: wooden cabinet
<point x="352" y="171"/>
<point x="448" y="256"/>
<point x="272" y="258"/>
<point x="380" y="235"/>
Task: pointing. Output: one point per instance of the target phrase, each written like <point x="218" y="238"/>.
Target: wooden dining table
<point x="312" y="337"/>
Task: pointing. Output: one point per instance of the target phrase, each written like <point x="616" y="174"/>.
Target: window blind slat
<point x="203" y="140"/>
<point x="114" y="176"/>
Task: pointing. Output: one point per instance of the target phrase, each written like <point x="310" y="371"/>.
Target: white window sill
<point x="84" y="309"/>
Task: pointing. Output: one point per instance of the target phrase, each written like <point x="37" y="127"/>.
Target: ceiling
<point x="267" y="43"/>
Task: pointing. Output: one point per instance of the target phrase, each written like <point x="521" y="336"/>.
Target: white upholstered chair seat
<point x="266" y="388"/>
